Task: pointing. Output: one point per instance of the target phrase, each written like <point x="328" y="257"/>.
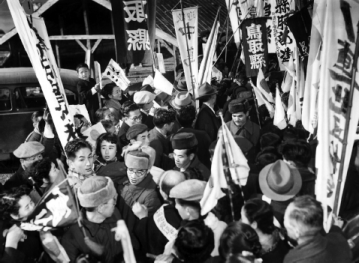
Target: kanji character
<point x="269" y="34"/>
<point x="70" y="131"/>
<point x="135" y="10"/>
<point x="345" y="103"/>
<point x="282" y="6"/>
<point x="281" y="20"/>
<point x="138" y="39"/>
<point x="255" y="46"/>
<point x="285" y="54"/>
<point x="189" y="30"/>
<point x="190" y="58"/>
<point x="338" y="93"/>
<point x="267" y="9"/>
<point x="254" y="31"/>
<point x="257" y="61"/>
<point x="288" y="40"/>
<point x="345" y="58"/>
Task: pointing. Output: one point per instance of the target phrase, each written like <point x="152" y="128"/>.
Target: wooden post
<point x="56" y="43"/>
<point x="175" y="58"/>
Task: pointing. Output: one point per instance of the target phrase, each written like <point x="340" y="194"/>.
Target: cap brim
<point x="177" y="107"/>
<point x="215" y="92"/>
<point x="267" y="191"/>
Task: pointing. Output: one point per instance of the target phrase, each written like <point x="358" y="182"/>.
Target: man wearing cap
<point x="188" y="195"/>
<point x="156" y="231"/>
<point x="185" y="146"/>
<point x="144" y="100"/>
<point x="206" y="119"/>
<point x="279" y="183"/>
<point x="138" y="133"/>
<point x="97" y="196"/>
<point x="159" y="137"/>
<point x="139" y="188"/>
<point x="240" y="123"/>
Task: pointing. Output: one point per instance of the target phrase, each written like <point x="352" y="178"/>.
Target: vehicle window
<point x="5" y="99"/>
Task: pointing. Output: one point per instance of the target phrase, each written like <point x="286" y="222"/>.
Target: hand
<point x="164" y="258"/>
<point x="338" y="221"/>
<point x="139" y="210"/>
<point x="46" y="115"/>
<point x="14" y="235"/>
<point x="97" y="87"/>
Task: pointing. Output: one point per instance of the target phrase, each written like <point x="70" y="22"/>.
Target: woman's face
<point x="116" y="93"/>
<point x="26" y="207"/>
<point x="108" y="151"/>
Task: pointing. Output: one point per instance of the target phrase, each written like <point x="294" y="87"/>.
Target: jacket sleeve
<point x="203" y="123"/>
<point x="152" y="202"/>
<point x="157" y="146"/>
<point x="70" y="245"/>
<point x="9" y="256"/>
<point x="84" y="92"/>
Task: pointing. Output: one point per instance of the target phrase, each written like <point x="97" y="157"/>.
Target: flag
<point x="161" y="83"/>
<point x="338" y="54"/>
<point x="263" y="86"/>
<point x="291" y="110"/>
<point x="205" y="70"/>
<point x="239" y="170"/>
<point x="188" y="34"/>
<point x="261" y="99"/>
<point x="33" y="35"/>
<point x="117" y="75"/>
<point x="279" y="114"/>
<point x="134" y="28"/>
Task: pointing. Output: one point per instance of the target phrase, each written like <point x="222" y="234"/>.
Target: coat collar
<point x="248" y="127"/>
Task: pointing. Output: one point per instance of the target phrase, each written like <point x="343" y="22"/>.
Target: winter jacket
<point x="206" y="173"/>
<point x="163" y="148"/>
<point x="86" y="97"/>
<point x="115" y="170"/>
<point x="208" y="121"/>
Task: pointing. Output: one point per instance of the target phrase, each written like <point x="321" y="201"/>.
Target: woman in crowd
<point x="112" y="95"/>
<point x="107" y="163"/>
<point x="259" y="215"/>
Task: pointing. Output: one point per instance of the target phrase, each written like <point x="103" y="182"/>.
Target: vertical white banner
<point x="189" y="56"/>
<point x="37" y="45"/>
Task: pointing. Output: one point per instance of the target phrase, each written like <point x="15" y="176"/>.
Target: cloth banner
<point x="338" y="47"/>
<point x="117" y="75"/>
<point x="255" y="46"/>
<point x="190" y="32"/>
<point x="279" y="114"/>
<point x="37" y="45"/>
<point x="134" y="28"/>
<point x="161" y="83"/>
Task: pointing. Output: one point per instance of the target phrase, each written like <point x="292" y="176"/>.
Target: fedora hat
<point x="181" y="100"/>
<point x="279" y="181"/>
<point x="205" y="90"/>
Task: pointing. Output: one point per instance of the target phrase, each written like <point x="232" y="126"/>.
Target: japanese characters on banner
<point x="131" y="30"/>
<point x="117" y="75"/>
<point x="337" y="57"/>
<point x="190" y="32"/>
<point x="37" y="45"/>
<point x="255" y="47"/>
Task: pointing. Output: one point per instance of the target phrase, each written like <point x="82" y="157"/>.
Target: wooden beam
<point x="81" y="37"/>
<point x="104" y="3"/>
<point x="8" y="35"/>
<point x="44" y="7"/>
<point x="81" y="45"/>
<point x="163" y="35"/>
<point x="96" y="45"/>
<point x="167" y="47"/>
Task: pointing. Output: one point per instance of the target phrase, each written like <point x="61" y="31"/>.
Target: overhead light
<point x="4" y="55"/>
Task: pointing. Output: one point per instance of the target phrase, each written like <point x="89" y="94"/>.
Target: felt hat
<point x="96" y="190"/>
<point x="29" y="149"/>
<point x="189" y="190"/>
<point x="143" y="97"/>
<point x="238" y="105"/>
<point x="205" y="90"/>
<point x="137" y="160"/>
<point x="184" y="140"/>
<point x="181" y="100"/>
<point x="243" y="143"/>
<point x="135" y="130"/>
<point x="180" y="83"/>
<point x="279" y="181"/>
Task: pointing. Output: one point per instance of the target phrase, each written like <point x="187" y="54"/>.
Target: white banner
<point x="117" y="75"/>
<point x="161" y="83"/>
<point x="190" y="32"/>
<point x="37" y="45"/>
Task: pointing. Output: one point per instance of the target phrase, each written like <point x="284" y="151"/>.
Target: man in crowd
<point x="159" y="137"/>
<point x="206" y="119"/>
<point x="185" y="146"/>
<point x="303" y="221"/>
<point x="144" y="100"/>
<point x="138" y="133"/>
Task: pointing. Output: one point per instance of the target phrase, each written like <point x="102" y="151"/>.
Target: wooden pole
<point x="347" y="123"/>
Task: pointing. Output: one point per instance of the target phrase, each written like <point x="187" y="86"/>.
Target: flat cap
<point x="184" y="140"/>
<point x="29" y="149"/>
<point x="143" y="97"/>
<point x="189" y="190"/>
<point x="238" y="105"/>
<point x="135" y="130"/>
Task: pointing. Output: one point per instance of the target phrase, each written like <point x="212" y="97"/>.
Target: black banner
<point x="134" y="23"/>
<point x="255" y="48"/>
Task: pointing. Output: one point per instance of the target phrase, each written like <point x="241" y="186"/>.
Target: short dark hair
<point x="194" y="242"/>
<point x="107" y="124"/>
<point x="40" y="170"/>
<point x="193" y="173"/>
<point x="82" y="65"/>
<point x="37" y="114"/>
<point x="111" y="138"/>
<point x="72" y="147"/>
<point x="186" y="115"/>
<point x="238" y="237"/>
<point x="107" y="90"/>
<point x="9" y="201"/>
<point x="100" y="114"/>
<point x="297" y="151"/>
<point x="257" y="210"/>
<point x="163" y="116"/>
<point x="307" y="212"/>
<point x="127" y="107"/>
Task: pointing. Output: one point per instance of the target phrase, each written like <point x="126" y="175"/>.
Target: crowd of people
<point x="151" y="168"/>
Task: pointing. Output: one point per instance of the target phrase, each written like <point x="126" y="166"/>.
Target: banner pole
<point x="257" y="109"/>
<point x="347" y="117"/>
<point x="188" y="53"/>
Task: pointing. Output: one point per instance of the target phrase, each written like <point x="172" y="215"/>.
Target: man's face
<point x="136" y="176"/>
<point x="27" y="162"/>
<point x="115" y="116"/>
<point x="83" y="73"/>
<point x="116" y="93"/>
<point x="170" y="127"/>
<point x="108" y="208"/>
<point x="26" y="207"/>
<point x="134" y="117"/>
<point x="148" y="106"/>
<point x="143" y="137"/>
<point x="107" y="115"/>
<point x="182" y="160"/>
<point x="288" y="224"/>
<point x="83" y="162"/>
<point x="239" y="119"/>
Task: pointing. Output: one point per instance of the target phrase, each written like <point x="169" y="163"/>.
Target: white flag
<point x="279" y="115"/>
<point x="117" y="75"/>
<point x="161" y="83"/>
